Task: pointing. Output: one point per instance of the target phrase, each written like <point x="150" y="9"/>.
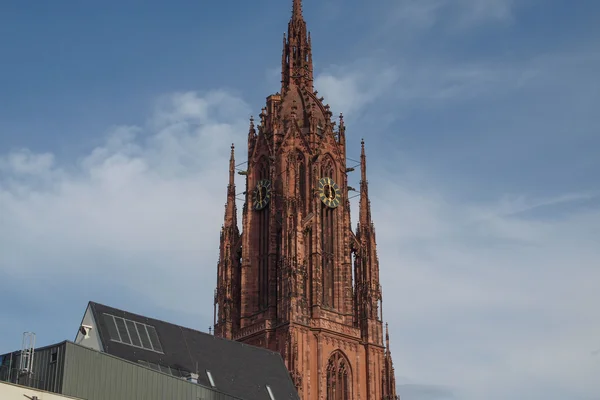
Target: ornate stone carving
<point x="250" y="330"/>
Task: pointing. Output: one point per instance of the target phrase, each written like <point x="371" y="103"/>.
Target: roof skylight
<point x="271" y="396"/>
<point x="210" y="378"/>
<point x="132" y="333"/>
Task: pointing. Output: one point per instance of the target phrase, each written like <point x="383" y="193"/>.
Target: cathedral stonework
<point x="298" y="280"/>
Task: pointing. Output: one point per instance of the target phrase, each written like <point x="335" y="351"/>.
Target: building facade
<point x="297" y="279"/>
<point x="118" y="354"/>
<point x="75" y="371"/>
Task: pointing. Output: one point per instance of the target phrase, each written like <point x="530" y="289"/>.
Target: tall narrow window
<point x="311" y="299"/>
<point x="328" y="244"/>
<point x="263" y="245"/>
<point x="302" y="182"/>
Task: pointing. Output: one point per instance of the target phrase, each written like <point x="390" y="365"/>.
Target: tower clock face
<point x="329" y="192"/>
<point x="262" y="194"/>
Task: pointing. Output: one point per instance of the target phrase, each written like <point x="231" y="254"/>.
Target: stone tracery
<point x="339" y="377"/>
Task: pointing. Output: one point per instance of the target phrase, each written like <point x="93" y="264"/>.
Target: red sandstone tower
<point x="298" y="280"/>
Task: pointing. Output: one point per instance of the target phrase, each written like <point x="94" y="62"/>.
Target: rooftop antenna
<point x="27" y="353"/>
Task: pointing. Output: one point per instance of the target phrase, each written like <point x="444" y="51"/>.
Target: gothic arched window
<point x="328" y="240"/>
<point x="339" y="377"/>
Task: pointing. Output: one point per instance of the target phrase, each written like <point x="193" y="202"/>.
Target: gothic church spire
<point x="296" y="64"/>
<point x="389" y="378"/>
<point x="226" y="299"/>
<point x="297" y="10"/>
<point x="230" y="207"/>
<point x="367" y="273"/>
<point x="297" y="262"/>
<point x="365" y="203"/>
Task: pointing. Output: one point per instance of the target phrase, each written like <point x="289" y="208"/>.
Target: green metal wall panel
<point x="48" y="363"/>
<point x="93" y="375"/>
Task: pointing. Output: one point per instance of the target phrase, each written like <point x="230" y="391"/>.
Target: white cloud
<point x="24" y="162"/>
<point x="349" y="89"/>
<point x="483" y="299"/>
<point x="393" y="90"/>
<point x="148" y="203"/>
<point x="501" y="301"/>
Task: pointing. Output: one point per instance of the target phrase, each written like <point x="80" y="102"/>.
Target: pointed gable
<point x="87" y="334"/>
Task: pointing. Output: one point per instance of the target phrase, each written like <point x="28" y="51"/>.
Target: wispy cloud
<point x="420" y="15"/>
<point x="425" y="392"/>
<point x="134" y="207"/>
<point x="350" y="89"/>
<point x="503" y="297"/>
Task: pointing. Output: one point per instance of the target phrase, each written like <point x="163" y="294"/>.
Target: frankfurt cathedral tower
<point x="297" y="279"/>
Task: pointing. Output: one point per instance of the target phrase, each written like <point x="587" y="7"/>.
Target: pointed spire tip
<point x="297" y="9"/>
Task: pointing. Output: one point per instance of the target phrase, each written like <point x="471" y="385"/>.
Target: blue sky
<point x="481" y="124"/>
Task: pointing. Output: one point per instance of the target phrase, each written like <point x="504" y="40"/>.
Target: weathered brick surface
<point x="285" y="283"/>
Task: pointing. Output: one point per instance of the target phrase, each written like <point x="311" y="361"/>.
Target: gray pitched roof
<point x="237" y="369"/>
